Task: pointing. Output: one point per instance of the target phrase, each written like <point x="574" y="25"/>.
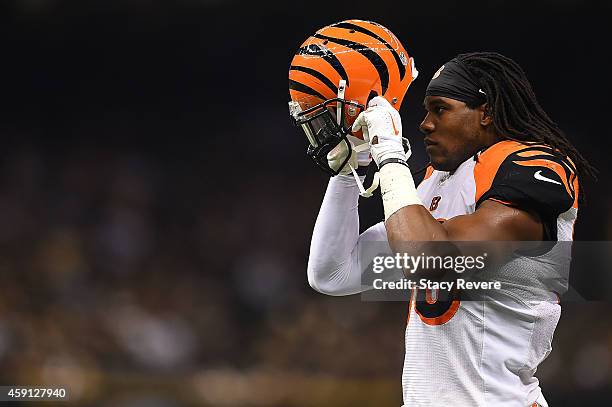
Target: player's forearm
<point x="413" y="223"/>
<point x="411" y="230"/>
<point x="406" y="219"/>
<point x="335" y="235"/>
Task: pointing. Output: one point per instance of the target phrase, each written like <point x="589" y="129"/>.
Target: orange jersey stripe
<point x="531" y="153"/>
<point x="428" y="172"/>
<point x="500" y="201"/>
<point x="489" y="162"/>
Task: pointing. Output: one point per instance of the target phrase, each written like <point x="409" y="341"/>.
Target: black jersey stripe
<point x="398" y="60"/>
<point x="364" y="50"/>
<point x="329" y="57"/>
<point x="548" y="154"/>
<point x="300" y="87"/>
<point x="317" y="75"/>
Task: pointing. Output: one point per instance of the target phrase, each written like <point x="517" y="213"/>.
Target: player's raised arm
<point x="463" y="121"/>
<point x="338" y="253"/>
<point x="406" y="219"/>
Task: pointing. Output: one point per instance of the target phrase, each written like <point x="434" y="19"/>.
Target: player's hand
<point x="381" y="125"/>
<point x="358" y="159"/>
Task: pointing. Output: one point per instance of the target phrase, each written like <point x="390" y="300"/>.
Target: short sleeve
<point x="530" y="177"/>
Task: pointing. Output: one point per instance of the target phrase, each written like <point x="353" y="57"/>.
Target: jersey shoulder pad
<point x="527" y="175"/>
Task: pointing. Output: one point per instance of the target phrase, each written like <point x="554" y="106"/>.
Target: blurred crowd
<point x="138" y="280"/>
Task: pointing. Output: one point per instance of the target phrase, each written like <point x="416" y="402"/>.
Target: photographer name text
<point x="425" y="284"/>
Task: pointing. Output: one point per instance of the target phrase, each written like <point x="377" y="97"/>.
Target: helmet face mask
<point x="335" y="73"/>
<point x="324" y="130"/>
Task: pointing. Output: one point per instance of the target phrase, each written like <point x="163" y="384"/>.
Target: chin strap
<point x="366" y="193"/>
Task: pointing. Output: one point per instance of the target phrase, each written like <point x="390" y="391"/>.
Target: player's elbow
<point x="320" y="279"/>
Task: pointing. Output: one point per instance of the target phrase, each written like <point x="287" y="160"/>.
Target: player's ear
<point x="485" y="115"/>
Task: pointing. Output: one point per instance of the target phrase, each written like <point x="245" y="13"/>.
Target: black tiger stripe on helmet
<point x="368" y="58"/>
<point x="350" y="26"/>
<point x="365" y="54"/>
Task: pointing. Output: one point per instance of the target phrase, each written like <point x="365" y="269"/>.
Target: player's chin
<point x="438" y="160"/>
<point x="441" y="159"/>
<point x="441" y="163"/>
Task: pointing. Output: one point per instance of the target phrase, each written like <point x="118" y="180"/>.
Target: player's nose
<point x="426" y="127"/>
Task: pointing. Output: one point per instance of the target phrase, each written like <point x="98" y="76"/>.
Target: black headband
<point x="453" y="81"/>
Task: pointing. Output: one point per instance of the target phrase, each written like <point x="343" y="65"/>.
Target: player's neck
<point x="490" y="137"/>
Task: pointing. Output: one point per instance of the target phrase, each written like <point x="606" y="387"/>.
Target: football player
<point x="500" y="170"/>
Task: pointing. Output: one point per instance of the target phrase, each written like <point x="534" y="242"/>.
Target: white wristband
<point x="397" y="188"/>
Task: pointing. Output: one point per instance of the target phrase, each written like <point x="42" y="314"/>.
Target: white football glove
<point x="360" y="158"/>
<point x="381" y="125"/>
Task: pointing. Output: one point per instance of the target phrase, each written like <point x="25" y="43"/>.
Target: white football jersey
<point x="485" y="352"/>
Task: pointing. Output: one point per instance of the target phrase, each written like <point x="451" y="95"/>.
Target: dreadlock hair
<point x="513" y="106"/>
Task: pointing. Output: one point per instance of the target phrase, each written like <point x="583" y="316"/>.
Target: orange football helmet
<point x="335" y="73"/>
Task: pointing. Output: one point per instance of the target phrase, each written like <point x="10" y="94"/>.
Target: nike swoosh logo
<point x="538" y="175"/>
<point x="393" y="123"/>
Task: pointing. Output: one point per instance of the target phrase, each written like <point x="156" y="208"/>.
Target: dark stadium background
<point x="156" y="204"/>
